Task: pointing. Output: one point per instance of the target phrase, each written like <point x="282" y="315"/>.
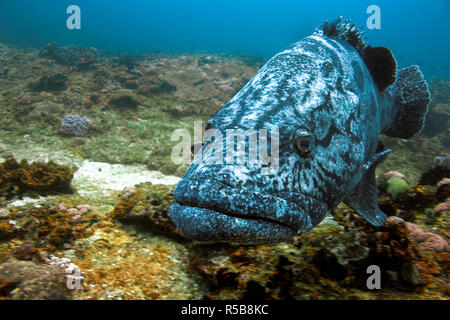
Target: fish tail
<point x="412" y="98"/>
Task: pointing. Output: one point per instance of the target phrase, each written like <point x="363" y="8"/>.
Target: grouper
<point x="329" y="96"/>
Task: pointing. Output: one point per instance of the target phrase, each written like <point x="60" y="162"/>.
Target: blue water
<point x="416" y="30"/>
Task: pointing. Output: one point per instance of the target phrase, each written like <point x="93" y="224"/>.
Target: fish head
<point x="277" y="157"/>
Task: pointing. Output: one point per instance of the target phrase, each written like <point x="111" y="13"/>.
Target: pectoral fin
<point x="363" y="198"/>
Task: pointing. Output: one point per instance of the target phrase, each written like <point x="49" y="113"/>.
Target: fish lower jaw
<point x="210" y="226"/>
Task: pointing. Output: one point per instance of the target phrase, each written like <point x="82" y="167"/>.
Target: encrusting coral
<point x="37" y="177"/>
<point x="46" y="227"/>
<point x="30" y="281"/>
<point x="147" y="205"/>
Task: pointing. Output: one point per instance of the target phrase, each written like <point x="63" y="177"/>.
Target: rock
<point x="52" y="81"/>
<point x="147" y="206"/>
<point x="434" y="175"/>
<point x="6" y="154"/>
<point x="78" y="141"/>
<point x="437" y="120"/>
<point x="30" y="281"/>
<point x="26" y="252"/>
<point x="444" y="137"/>
<point x="45" y="112"/>
<point x="126" y="60"/>
<point x="124" y="99"/>
<point x="157" y="87"/>
<point x="82" y="57"/>
<point x="410" y="274"/>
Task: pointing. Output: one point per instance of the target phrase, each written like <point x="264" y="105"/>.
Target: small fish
<point x="331" y="96"/>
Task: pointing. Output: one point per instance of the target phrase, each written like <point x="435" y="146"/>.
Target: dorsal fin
<point x="382" y="66"/>
<point x="343" y="30"/>
<point x="379" y="60"/>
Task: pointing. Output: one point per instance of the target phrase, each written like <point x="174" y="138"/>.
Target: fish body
<point x="326" y="110"/>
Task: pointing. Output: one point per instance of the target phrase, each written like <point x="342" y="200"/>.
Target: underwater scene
<point x="224" y="150"/>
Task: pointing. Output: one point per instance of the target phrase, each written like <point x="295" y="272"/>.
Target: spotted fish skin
<point x="319" y="85"/>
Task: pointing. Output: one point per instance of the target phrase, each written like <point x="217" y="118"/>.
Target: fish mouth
<point x="208" y="210"/>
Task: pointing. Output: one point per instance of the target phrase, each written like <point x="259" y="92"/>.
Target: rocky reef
<point x="17" y="178"/>
<point x="331" y="262"/>
<point x="86" y="204"/>
<point x="147" y="205"/>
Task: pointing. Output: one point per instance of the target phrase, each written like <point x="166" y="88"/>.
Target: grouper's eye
<point x="304" y="142"/>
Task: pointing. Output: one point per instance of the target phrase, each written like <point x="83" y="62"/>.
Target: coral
<point x="434" y="175"/>
<point x="126" y="60"/>
<point x="44" y="113"/>
<point x="427" y="241"/>
<point x="147" y="205"/>
<point x="444" y="206"/>
<point x="128" y="192"/>
<point x="81" y="57"/>
<point x="149" y="272"/>
<point x="45" y="176"/>
<point x="124" y="261"/>
<point x="74" y="125"/>
<point x="24" y="99"/>
<point x="46" y="227"/>
<point x="7" y="230"/>
<point x="157" y="87"/>
<point x="40" y="177"/>
<point x="27" y="251"/>
<point x="51" y="81"/>
<point x="86" y="60"/>
<point x="78" y="141"/>
<point x="390" y="248"/>
<point x="433" y="242"/>
<point x="438" y="118"/>
<point x="95" y="98"/>
<point x="444" y="138"/>
<point x="30" y="281"/>
<point x="9" y="173"/>
<point x="394" y="174"/>
<point x="396" y="186"/>
<point x="443" y="182"/>
<point x="124" y="99"/>
<point x="312" y="267"/>
<point x="77" y="212"/>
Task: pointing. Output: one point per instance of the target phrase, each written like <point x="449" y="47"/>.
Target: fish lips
<point x="207" y="210"/>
